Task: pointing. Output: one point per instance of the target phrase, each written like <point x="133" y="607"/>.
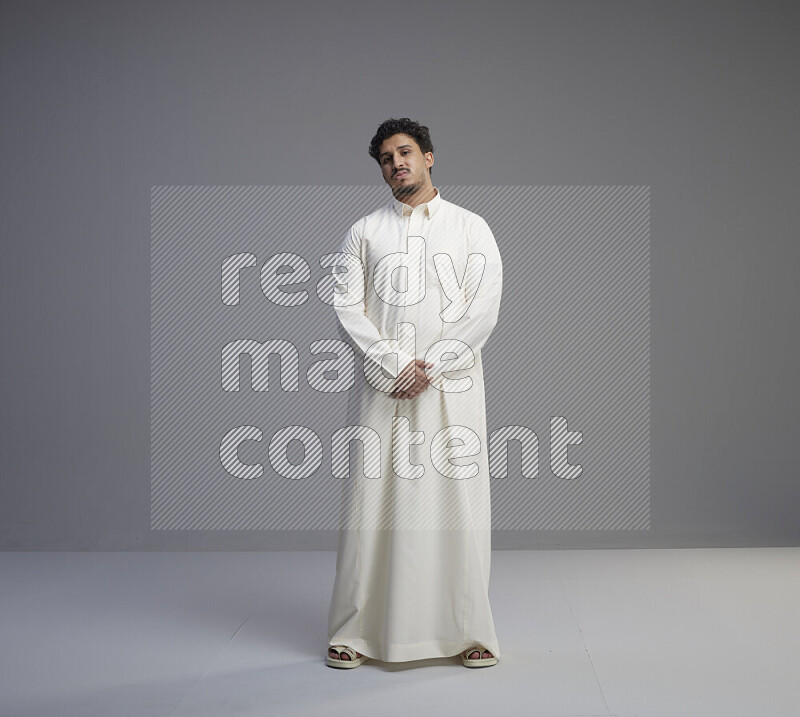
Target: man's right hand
<point x="412" y="380"/>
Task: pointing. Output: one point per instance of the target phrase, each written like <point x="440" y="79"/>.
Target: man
<point x="420" y="287"/>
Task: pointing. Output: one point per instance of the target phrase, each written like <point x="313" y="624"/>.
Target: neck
<point x="422" y="195"/>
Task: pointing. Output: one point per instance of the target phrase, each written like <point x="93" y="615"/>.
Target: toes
<point x="336" y="655"/>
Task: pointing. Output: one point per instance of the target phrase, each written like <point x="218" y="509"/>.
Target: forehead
<point x="397" y="140"/>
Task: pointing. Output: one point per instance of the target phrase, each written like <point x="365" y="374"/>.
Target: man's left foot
<point x="477" y="657"/>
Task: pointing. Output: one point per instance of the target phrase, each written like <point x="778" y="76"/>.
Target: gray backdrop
<point x="102" y="101"/>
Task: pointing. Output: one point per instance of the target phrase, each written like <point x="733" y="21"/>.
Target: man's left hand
<point x="420" y="381"/>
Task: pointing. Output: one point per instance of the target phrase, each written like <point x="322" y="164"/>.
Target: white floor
<point x="608" y="632"/>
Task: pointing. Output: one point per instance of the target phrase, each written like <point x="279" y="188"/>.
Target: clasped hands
<point x="412" y="380"/>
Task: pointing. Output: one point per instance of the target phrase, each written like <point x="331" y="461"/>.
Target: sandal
<point x="479" y="661"/>
<point x="354" y="661"/>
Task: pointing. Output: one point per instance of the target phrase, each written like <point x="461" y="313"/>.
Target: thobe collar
<point x="430" y="207"/>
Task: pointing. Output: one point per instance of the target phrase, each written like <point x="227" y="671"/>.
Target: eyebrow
<point x="402" y="146"/>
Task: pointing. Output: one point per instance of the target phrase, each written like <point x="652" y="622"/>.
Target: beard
<point x="408" y="190"/>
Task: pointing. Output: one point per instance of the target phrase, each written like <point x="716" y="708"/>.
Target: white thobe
<point x="414" y="553"/>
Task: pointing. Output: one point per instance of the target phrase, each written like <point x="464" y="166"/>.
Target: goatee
<point x="407" y="191"/>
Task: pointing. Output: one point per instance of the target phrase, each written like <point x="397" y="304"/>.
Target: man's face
<point x="404" y="166"/>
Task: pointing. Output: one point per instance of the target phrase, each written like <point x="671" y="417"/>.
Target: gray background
<point x="103" y="100"/>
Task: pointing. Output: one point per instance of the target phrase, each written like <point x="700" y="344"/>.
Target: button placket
<point x="414" y="228"/>
<point x="407" y="313"/>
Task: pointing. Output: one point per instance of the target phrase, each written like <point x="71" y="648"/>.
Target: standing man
<point x="418" y="295"/>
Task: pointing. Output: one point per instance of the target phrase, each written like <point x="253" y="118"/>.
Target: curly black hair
<point x="404" y="125"/>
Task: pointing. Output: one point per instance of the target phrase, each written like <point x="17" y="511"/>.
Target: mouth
<point x="400" y="174"/>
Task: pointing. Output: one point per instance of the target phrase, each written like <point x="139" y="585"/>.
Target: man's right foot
<point x="342" y="656"/>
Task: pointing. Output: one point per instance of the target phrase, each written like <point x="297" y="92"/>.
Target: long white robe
<point x="414" y="554"/>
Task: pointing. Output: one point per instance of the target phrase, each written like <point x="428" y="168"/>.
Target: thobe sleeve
<point x="482" y="294"/>
<point x="350" y="304"/>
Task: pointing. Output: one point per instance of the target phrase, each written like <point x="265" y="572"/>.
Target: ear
<point x="428" y="159"/>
